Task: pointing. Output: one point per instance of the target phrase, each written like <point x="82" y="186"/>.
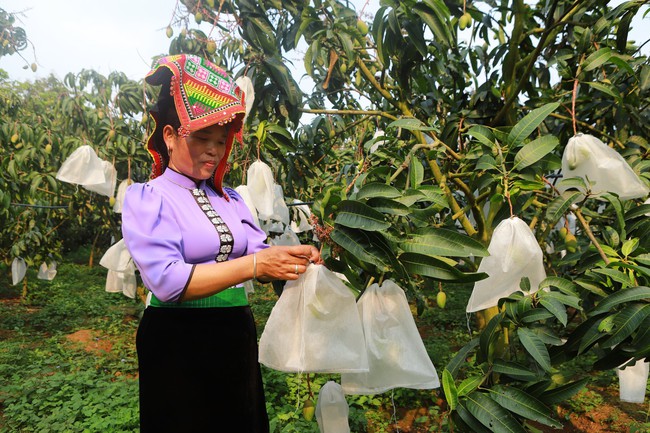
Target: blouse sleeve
<point x="153" y="238"/>
<point x="255" y="235"/>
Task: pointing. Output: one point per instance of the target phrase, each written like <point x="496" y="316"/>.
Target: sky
<point x="117" y="35"/>
<point x="71" y="35"/>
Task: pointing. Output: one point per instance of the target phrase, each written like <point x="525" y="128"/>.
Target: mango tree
<point x="429" y="123"/>
<point x="42" y="124"/>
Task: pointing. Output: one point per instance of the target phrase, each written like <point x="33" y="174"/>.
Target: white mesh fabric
<point x="514" y="253"/>
<point x="314" y="327"/>
<point x="332" y="409"/>
<point x="397" y="357"/>
<point x="82" y="167"/>
<point x="602" y="168"/>
<point x="260" y="183"/>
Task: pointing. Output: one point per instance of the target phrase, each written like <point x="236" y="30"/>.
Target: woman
<point x="195" y="243"/>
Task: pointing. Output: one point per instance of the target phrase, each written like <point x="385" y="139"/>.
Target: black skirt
<point x="199" y="371"/>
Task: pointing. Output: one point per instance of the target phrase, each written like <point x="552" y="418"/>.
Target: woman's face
<point x="198" y="154"/>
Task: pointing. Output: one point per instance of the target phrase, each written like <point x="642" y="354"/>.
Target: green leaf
<point x="435" y="15"/>
<point x="625" y="323"/>
<point x="523" y="404"/>
<point x="486" y="162"/>
<point x="514" y="370"/>
<point x="620" y="297"/>
<point x="556" y="308"/>
<point x="644" y="77"/>
<point x="566" y="286"/>
<point x="596" y="59"/>
<point x="489" y="336"/>
<point x="442" y="242"/>
<point x="377" y="190"/>
<point x="572" y="183"/>
<point x="535" y="150"/>
<point x="357" y="215"/>
<point x="529" y="123"/>
<point x="564" y="392"/>
<point x="421" y="264"/>
<point x="491" y="414"/>
<point x="416" y="172"/>
<point x="607" y="89"/>
<point x="483" y="134"/>
<point x="560" y="204"/>
<point x="570" y="300"/>
<point x="449" y="388"/>
<point x="472" y="423"/>
<point x="460" y="358"/>
<point x="410" y="123"/>
<point x="535" y="346"/>
<point x="469" y="385"/>
<point x="620" y="216"/>
<point x="355" y="244"/>
<point x="614" y="275"/>
<point x="388" y="206"/>
<point x="629" y="246"/>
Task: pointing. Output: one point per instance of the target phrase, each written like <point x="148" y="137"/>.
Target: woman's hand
<point x="285" y="262"/>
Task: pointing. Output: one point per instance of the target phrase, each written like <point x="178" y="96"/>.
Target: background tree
<point x="476" y="102"/>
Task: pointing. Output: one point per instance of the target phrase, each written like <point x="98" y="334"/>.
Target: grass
<point x="68" y="364"/>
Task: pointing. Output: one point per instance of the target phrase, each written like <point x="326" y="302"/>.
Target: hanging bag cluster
<point x="314" y="327"/>
<point x="602" y="168"/>
<point x="514" y="254"/>
<point x="121" y="270"/>
<point x="83" y="167"/>
<point x="397" y="357"/>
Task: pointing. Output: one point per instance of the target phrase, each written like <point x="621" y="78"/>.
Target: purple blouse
<point x="167" y="232"/>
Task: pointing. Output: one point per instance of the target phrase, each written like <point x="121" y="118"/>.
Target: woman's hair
<point x="165" y="114"/>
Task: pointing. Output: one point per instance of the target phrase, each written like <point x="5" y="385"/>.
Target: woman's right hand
<point x="285" y="262"/>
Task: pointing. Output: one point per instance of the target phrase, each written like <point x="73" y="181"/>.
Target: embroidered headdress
<point x="203" y="95"/>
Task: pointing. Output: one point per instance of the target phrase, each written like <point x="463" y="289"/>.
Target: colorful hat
<point x="203" y="95"/>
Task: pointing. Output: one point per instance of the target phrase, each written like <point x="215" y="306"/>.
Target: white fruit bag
<point x="602" y="168"/>
<point x="259" y="180"/>
<point x="280" y="209"/>
<point x="300" y="213"/>
<point x="396" y="354"/>
<point x="314" y="327"/>
<point x="46" y="272"/>
<point x="332" y="409"/>
<point x="119" y="198"/>
<point x="242" y="190"/>
<point x="121" y="270"/>
<point x="107" y="187"/>
<point x="82" y="167"/>
<point x="633" y="381"/>
<point x="514" y="253"/>
<point x="18" y="270"/>
<point x="287" y="238"/>
<point x="246" y="85"/>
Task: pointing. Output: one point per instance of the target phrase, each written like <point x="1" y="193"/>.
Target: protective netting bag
<point x="82" y="167"/>
<point x="121" y="270"/>
<point x="633" y="380"/>
<point x="314" y="327"/>
<point x="396" y="354"/>
<point x="332" y="409"/>
<point x="47" y="272"/>
<point x="246" y="85"/>
<point x="602" y="168"/>
<point x="300" y="217"/>
<point x="18" y="270"/>
<point x="288" y="238"/>
<point x="260" y="183"/>
<point x="280" y="209"/>
<point x="119" y="198"/>
<point x="514" y="253"/>
<point x="107" y="187"/>
<point x="245" y="194"/>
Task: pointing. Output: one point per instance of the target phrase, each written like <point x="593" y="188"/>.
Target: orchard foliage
<point x="430" y="122"/>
